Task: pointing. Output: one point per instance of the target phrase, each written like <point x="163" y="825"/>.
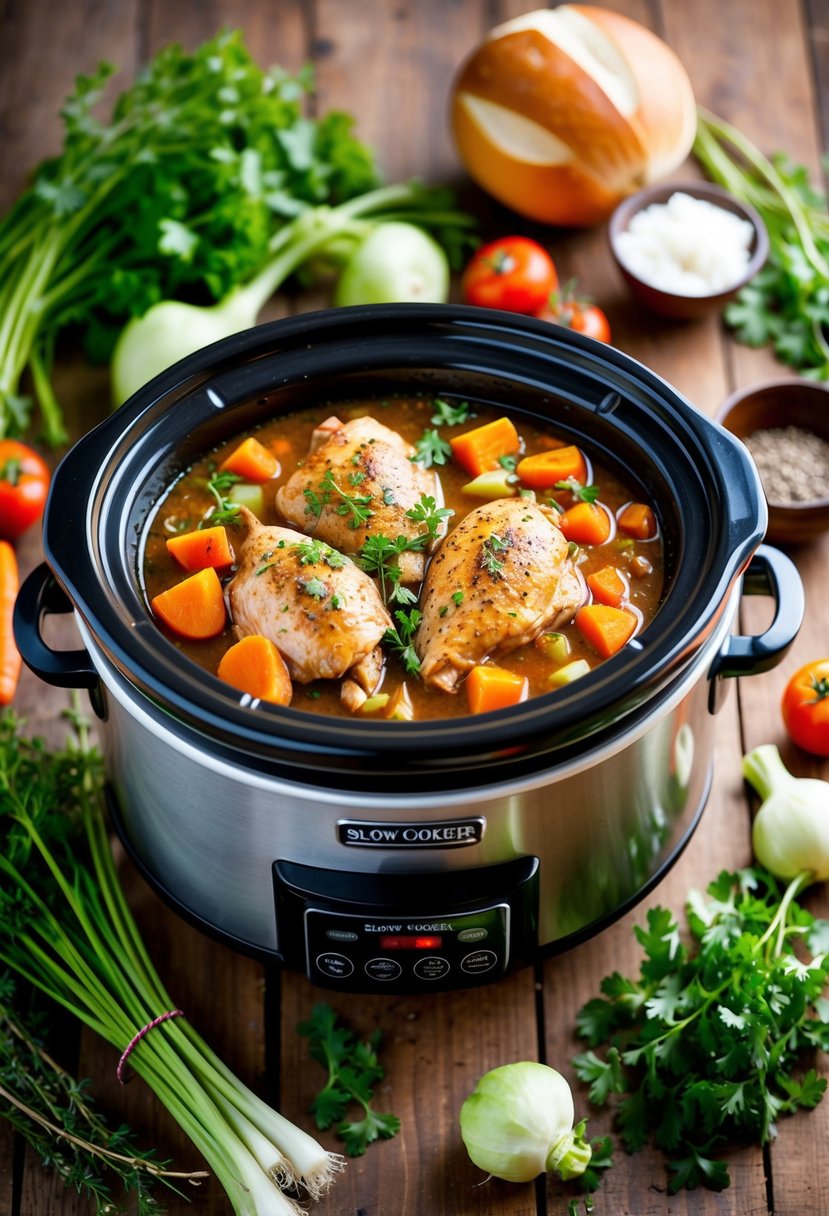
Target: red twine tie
<point x="136" y="1039"/>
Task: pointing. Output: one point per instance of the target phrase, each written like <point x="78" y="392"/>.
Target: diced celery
<point x="569" y="673"/>
<point x="379" y="701"/>
<point x="555" y="646"/>
<point x="246" y="494"/>
<point x="495" y="483"/>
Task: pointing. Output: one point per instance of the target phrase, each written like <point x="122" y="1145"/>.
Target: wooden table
<point x="763" y="64"/>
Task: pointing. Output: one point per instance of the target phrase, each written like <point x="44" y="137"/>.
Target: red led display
<point x="410" y="941"/>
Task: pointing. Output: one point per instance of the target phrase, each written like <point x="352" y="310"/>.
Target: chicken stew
<point x="402" y="558"/>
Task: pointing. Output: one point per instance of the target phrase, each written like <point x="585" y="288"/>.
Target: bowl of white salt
<point x="785" y="426"/>
<point x="686" y="249"/>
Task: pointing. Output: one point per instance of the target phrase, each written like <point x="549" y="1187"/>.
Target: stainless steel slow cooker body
<point x="408" y="855"/>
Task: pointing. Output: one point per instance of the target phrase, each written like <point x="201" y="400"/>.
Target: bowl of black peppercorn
<point x="785" y="426"/>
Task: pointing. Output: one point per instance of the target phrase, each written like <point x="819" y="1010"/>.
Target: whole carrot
<point x="9" y="655"/>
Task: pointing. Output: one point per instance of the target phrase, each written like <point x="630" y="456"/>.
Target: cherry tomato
<point x="565" y="308"/>
<point x="513" y="273"/>
<point x="805" y="707"/>
<point x="24" y="481"/>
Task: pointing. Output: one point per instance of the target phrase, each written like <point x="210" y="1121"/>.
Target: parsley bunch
<point x="704" y="1047"/>
<point x="786" y="305"/>
<point x="353" y="1069"/>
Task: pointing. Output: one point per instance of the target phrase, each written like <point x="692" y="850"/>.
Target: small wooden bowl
<point x="666" y="303"/>
<point x="780" y="403"/>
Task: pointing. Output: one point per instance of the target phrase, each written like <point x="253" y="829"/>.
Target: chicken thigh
<point x="501" y="578"/>
<point x="370" y="465"/>
<point x="323" y="613"/>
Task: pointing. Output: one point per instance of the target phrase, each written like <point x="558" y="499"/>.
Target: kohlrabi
<point x="790" y="836"/>
<point x="518" y="1123"/>
<point x="387" y="258"/>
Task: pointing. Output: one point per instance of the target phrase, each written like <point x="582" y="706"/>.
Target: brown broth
<point x="189" y="501"/>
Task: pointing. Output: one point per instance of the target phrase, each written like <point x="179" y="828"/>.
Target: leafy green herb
<point x="492" y="546"/>
<point x="355" y="505"/>
<point x="353" y="1070"/>
<point x="577" y="490"/>
<point x="67" y="930"/>
<point x="430" y="449"/>
<point x="702" y="1048"/>
<point x="450" y="415"/>
<point x="378" y="553"/>
<point x="58" y="1119"/>
<point x="427" y="512"/>
<point x="314" y="587"/>
<point x="315" y="552"/>
<point x="226" y="511"/>
<point x="508" y="463"/>
<point x="457" y="598"/>
<point x="400" y="638"/>
<point x="786" y="305"/>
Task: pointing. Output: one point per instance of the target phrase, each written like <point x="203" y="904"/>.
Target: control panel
<point x="376" y="932"/>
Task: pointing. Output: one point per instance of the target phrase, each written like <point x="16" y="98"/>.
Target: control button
<point x="335" y="965"/>
<point x="473" y="935"/>
<point x="480" y="960"/>
<point x="431" y="968"/>
<point x="383" y="969"/>
<point x="341" y="935"/>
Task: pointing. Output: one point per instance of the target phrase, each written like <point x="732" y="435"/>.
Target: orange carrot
<point x="607" y="586"/>
<point x="586" y="524"/>
<point x="255" y="666"/>
<point x="251" y="461"/>
<point x="9" y="654"/>
<point x="281" y="446"/>
<point x="542" y="471"/>
<point x="478" y="450"/>
<point x="204" y="547"/>
<point x="194" y="608"/>
<point x="605" y="628"/>
<point x="489" y="687"/>
<point x="637" y="519"/>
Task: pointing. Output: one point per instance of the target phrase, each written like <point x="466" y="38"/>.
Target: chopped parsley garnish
<point x="508" y="463"/>
<point x="313" y="552"/>
<point x="314" y="587"/>
<point x="427" y="512"/>
<point x="457" y="598"/>
<point x="355" y="505"/>
<point x="225" y="511"/>
<point x="400" y="638"/>
<point x="450" y="415"/>
<point x="430" y="449"/>
<point x="492" y="546"/>
<point x="580" y="493"/>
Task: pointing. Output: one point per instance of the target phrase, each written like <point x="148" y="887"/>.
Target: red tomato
<point x="24" y="481"/>
<point x="575" y="313"/>
<point x="805" y="707"/>
<point x="513" y="273"/>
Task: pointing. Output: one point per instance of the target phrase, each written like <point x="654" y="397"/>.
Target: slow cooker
<point x="387" y="856"/>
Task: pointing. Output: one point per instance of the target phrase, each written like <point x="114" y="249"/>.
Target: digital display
<point x="410" y="941"/>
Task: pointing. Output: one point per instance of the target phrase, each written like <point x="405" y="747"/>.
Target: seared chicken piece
<point x="323" y="613"/>
<point x="365" y="462"/>
<point x="497" y="581"/>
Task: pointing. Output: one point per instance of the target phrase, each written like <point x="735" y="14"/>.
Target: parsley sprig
<point x="431" y="449"/>
<point x="703" y="1047"/>
<point x="378" y="553"/>
<point x="356" y="506"/>
<point x="353" y="1069"/>
<point x="225" y="511"/>
<point x="400" y="638"/>
<point x="446" y="414"/>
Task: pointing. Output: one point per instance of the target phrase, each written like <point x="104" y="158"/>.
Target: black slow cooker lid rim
<point x="154" y="665"/>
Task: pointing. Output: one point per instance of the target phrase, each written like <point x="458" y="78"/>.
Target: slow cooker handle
<point x="40" y="596"/>
<point x="770" y="572"/>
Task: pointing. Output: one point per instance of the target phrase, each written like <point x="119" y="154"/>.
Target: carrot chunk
<point x="489" y="687"/>
<point x="607" y="586"/>
<point x="254" y="665"/>
<point x="605" y="628"/>
<point x="638" y="520"/>
<point x="251" y="461"/>
<point x="478" y="450"/>
<point x="200" y="549"/>
<point x="542" y="471"/>
<point x="194" y="608"/>
<point x="586" y="524"/>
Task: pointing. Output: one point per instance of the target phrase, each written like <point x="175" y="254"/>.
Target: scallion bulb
<point x="518" y="1123"/>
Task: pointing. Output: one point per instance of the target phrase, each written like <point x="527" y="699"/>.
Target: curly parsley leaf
<point x="446" y="414"/>
<point x="431" y="449"/>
